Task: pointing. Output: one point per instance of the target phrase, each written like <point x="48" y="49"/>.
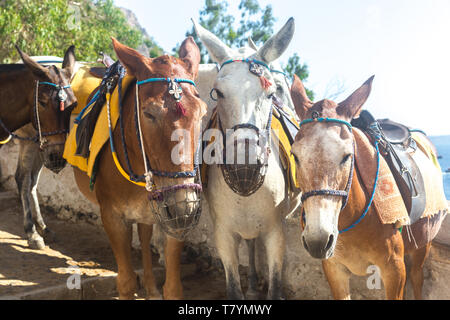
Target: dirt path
<point x="28" y="274"/>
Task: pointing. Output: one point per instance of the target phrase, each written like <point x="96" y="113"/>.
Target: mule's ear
<point x="351" y="107"/>
<point x="278" y="43"/>
<point x="130" y="58"/>
<point x="190" y="54"/>
<point x="37" y="69"/>
<point x="252" y="44"/>
<point x="69" y="59"/>
<point x="217" y="50"/>
<point x="300" y="98"/>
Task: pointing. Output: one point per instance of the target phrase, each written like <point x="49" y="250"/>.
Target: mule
<point x="341" y="224"/>
<point x="41" y="97"/>
<point x="127" y="202"/>
<point x="207" y="74"/>
<point x="245" y="104"/>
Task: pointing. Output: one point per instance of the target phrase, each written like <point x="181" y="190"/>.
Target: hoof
<point x="49" y="236"/>
<point x="36" y="242"/>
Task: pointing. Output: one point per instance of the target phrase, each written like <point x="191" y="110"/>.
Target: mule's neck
<point x="357" y="201"/>
<point x="17" y="89"/>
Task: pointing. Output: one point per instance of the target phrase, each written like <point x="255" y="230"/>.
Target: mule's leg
<point x="173" y="289"/>
<point x="227" y="248"/>
<point x="24" y="183"/>
<point x="42" y="228"/>
<point x="275" y="246"/>
<point x="252" y="291"/>
<point x="145" y="235"/>
<point x="393" y="273"/>
<point x="119" y="233"/>
<point x="418" y="258"/>
<point x="338" y="277"/>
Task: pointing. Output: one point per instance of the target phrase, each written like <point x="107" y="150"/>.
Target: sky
<point x="404" y="43"/>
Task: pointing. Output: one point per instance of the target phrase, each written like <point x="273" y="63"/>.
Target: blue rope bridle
<point x="39" y="136"/>
<point x="55" y="85"/>
<point x="342" y="193"/>
<point x="168" y="80"/>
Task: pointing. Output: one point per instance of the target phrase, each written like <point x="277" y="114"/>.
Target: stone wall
<point x="303" y="276"/>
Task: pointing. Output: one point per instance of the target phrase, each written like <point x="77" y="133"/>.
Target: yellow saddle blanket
<point x="101" y="132"/>
<point x="278" y="136"/>
<point x="83" y="83"/>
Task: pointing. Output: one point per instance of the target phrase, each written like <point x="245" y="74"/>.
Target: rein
<point x="146" y="180"/>
<point x="40" y="136"/>
<point x="342" y="193"/>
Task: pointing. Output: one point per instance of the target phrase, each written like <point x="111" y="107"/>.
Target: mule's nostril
<point x="330" y="242"/>
<point x="304" y="243"/>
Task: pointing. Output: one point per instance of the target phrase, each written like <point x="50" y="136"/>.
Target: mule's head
<point x="53" y="106"/>
<point x="244" y="88"/>
<point x="170" y="128"/>
<point x="283" y="87"/>
<point x="324" y="154"/>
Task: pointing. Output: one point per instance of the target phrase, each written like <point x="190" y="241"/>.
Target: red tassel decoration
<point x="61" y="106"/>
<point x="181" y="111"/>
<point x="266" y="84"/>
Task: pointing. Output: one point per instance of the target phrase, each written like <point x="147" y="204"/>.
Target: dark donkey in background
<point x="40" y="95"/>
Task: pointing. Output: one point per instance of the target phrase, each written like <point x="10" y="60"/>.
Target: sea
<point x="442" y="144"/>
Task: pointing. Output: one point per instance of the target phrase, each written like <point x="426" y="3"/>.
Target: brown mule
<point x="122" y="202"/>
<point x="19" y="84"/>
<point x="325" y="154"/>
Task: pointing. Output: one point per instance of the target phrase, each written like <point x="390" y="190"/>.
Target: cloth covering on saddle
<point x="100" y="135"/>
<point x="409" y="170"/>
<point x="284" y="128"/>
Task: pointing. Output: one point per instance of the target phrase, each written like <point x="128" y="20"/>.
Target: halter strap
<point x="168" y="80"/>
<point x="246" y="61"/>
<point x="55" y="85"/>
<point x="348" y="124"/>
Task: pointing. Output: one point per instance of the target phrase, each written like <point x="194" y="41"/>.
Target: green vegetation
<point x="49" y="27"/>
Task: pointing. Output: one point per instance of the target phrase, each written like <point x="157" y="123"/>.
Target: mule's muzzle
<point x="178" y="209"/>
<point x="246" y="172"/>
<point x="52" y="157"/>
<point x="321" y="247"/>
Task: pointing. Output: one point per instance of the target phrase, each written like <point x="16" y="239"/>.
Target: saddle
<point x="88" y="117"/>
<point x="289" y="127"/>
<point x="398" y="148"/>
<point x="99" y="72"/>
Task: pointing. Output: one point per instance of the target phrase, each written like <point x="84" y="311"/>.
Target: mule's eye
<point x="148" y="115"/>
<point x="219" y="94"/>
<point x="346" y="158"/>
